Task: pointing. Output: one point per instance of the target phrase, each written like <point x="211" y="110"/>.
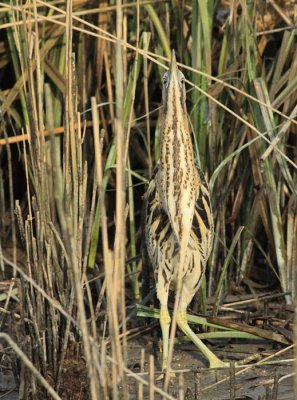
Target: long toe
<point x="162" y="376"/>
<point x="217" y="363"/>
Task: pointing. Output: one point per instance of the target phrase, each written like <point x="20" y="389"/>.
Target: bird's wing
<point x="202" y="226"/>
<point x="145" y="249"/>
<point x="157" y="224"/>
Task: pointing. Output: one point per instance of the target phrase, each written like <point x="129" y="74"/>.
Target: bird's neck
<point x="178" y="173"/>
<point x="176" y="144"/>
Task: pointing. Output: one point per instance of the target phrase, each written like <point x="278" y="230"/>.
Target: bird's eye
<point x="165" y="79"/>
<point x="182" y="80"/>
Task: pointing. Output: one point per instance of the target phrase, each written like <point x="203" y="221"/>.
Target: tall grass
<point x="79" y="140"/>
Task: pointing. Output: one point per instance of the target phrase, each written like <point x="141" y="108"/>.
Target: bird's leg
<point x="165" y="325"/>
<point x="182" y="322"/>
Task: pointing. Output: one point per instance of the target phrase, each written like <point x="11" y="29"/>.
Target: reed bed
<point x="80" y="100"/>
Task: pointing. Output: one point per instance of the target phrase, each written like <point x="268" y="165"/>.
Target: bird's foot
<point x="162" y="376"/>
<point x="217" y="363"/>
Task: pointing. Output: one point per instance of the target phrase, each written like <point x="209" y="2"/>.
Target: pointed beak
<point x="174" y="95"/>
<point x="173" y="66"/>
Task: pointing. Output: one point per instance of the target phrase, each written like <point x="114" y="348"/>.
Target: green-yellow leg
<point x="214" y="361"/>
<point x="165" y="325"/>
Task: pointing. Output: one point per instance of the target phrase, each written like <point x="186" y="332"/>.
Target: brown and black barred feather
<point x="162" y="246"/>
<point x="178" y="217"/>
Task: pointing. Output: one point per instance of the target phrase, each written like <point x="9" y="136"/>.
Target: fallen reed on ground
<point x="79" y="139"/>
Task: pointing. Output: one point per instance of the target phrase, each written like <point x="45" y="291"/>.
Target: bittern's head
<point x="174" y="90"/>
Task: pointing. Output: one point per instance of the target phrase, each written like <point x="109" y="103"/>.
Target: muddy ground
<point x="198" y="382"/>
<point x="194" y="380"/>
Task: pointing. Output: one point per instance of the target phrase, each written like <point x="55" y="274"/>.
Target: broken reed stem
<point x="140" y="384"/>
<point x="181" y="386"/>
<point x="53" y="302"/>
<point x="197" y="377"/>
<point x="232" y="380"/>
<point x="16" y="92"/>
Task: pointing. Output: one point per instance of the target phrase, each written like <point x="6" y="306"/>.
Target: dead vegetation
<point x="80" y="96"/>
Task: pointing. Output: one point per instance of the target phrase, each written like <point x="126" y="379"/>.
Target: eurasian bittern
<point x="179" y="220"/>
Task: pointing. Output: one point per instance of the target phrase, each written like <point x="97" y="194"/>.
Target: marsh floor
<point x="201" y="383"/>
<point x="193" y="381"/>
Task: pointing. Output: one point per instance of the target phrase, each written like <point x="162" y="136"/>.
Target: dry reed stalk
<point x="140" y="384"/>
<point x="46" y="132"/>
<point x="153" y="57"/>
<point x="181" y="386"/>
<point x="295" y="349"/>
<point x="71" y="164"/>
<point x="30" y="365"/>
<point x="58" y="229"/>
<point x="152" y="377"/>
<point x="276" y="354"/>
